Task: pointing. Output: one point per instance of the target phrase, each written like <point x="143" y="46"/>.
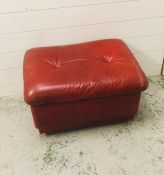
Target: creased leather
<point x="81" y="71"/>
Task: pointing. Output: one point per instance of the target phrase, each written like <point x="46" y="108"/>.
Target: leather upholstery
<point x="82" y="85"/>
<point x="55" y="117"/>
<point x="81" y="71"/>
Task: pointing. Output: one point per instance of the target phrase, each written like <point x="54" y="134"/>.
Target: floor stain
<point x="48" y="156"/>
<point x="66" y="153"/>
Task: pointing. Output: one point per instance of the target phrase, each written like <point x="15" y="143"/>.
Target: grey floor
<point x="132" y="148"/>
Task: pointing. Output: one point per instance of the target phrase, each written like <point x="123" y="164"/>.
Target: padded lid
<point x="81" y="71"/>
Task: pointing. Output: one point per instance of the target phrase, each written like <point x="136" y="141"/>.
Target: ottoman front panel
<point x="85" y="113"/>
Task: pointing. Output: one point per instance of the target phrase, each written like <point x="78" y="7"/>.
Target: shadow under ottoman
<point x="82" y="85"/>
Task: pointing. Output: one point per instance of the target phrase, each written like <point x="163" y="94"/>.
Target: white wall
<point x="27" y="23"/>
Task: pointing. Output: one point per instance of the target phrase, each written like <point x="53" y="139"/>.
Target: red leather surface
<point x="57" y="117"/>
<point x="81" y="71"/>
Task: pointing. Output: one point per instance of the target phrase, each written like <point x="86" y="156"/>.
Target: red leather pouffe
<point x="82" y="85"/>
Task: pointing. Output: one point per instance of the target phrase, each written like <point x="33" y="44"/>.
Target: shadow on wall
<point x="150" y="61"/>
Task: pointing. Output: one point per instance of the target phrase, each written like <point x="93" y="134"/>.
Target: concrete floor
<point x="132" y="148"/>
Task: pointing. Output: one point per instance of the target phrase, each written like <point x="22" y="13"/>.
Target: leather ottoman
<point x="82" y="85"/>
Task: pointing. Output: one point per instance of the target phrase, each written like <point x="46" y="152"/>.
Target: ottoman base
<point x="57" y="117"/>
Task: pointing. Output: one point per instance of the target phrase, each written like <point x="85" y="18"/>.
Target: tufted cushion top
<point x="81" y="71"/>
